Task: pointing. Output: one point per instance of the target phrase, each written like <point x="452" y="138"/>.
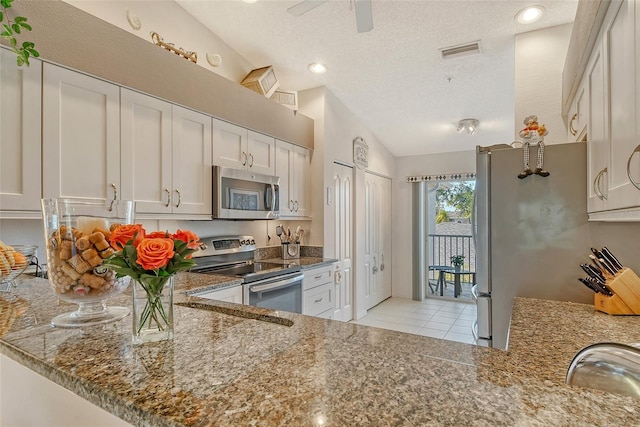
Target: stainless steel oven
<point x="265" y="284"/>
<point x="277" y="293"/>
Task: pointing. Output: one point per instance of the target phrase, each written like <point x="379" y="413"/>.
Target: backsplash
<point x="276" y="252"/>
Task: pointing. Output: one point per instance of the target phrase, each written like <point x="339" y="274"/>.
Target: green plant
<point x="11" y="28"/>
<point x="457" y="260"/>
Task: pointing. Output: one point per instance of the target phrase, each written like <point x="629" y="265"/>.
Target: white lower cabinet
<point x="232" y="294"/>
<point x="20" y="133"/>
<point x="318" y="297"/>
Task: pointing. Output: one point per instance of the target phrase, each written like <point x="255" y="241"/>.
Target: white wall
<point x="539" y="60"/>
<point x="445" y="163"/>
<point x="175" y="26"/>
<point x="335" y="129"/>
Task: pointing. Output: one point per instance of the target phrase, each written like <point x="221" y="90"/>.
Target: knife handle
<point x="612" y="258"/>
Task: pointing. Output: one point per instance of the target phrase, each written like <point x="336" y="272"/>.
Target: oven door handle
<point x="276" y="285"/>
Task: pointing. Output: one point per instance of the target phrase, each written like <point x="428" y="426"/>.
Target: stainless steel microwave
<point x="239" y="194"/>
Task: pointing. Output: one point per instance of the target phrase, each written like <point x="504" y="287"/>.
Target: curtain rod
<point x="442" y="177"/>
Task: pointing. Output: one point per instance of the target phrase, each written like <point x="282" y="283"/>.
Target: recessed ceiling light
<point x="317" y="68"/>
<point x="249" y="1"/>
<point x="530" y="14"/>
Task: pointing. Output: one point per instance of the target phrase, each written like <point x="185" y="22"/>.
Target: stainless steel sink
<point x="610" y="367"/>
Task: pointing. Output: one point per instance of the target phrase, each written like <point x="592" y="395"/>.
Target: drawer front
<point x="317" y="276"/>
<point x="318" y="299"/>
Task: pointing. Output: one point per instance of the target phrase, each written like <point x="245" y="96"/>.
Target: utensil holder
<point x="625" y="286"/>
<point x="290" y="250"/>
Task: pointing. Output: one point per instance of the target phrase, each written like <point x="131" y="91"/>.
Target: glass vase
<point x="76" y="235"/>
<point x="152" y="309"/>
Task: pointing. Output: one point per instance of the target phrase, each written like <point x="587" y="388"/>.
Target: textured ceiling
<point x="393" y="78"/>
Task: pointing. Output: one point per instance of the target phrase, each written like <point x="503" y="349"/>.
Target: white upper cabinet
<point x="166" y="156"/>
<point x="577" y="119"/>
<point x="20" y="133"/>
<point x="80" y="136"/>
<point x="191" y="162"/>
<point x="597" y="145"/>
<point x="239" y="148"/>
<point x="623" y="93"/>
<point x="613" y="129"/>
<point x="292" y="166"/>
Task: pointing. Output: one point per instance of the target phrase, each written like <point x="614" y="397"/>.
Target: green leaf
<point x="26" y="26"/>
<point x="28" y="45"/>
<point x="5" y="3"/>
<point x="20" y="19"/>
<point x="16" y="28"/>
<point x="34" y="53"/>
<point x="1" y="16"/>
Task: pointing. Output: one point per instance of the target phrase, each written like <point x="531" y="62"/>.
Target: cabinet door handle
<point x="633" y="182"/>
<point x="244" y="162"/>
<point x="319" y="299"/>
<point x="595" y="185"/>
<point x="598" y="189"/>
<point x="382" y="263"/>
<point x="295" y="206"/>
<point x="179" y="198"/>
<point x="115" y="196"/>
<point x="251" y="164"/>
<point x="375" y="266"/>
<point x="168" y="197"/>
<point x="291" y="205"/>
<point x="571" y="129"/>
<point x="318" y="277"/>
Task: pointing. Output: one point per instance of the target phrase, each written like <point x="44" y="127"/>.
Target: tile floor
<point x="437" y="318"/>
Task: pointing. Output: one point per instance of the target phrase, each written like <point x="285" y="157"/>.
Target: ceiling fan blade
<point x="364" y="16"/>
<point x="305" y="6"/>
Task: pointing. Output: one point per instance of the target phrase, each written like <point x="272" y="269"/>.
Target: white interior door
<point x="342" y="223"/>
<point x="377" y="239"/>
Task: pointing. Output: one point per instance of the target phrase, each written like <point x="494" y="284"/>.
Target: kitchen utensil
<point x="279" y="233"/>
<point x="607" y="265"/>
<point x="609" y="256"/>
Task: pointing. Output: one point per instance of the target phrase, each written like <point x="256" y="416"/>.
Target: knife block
<point x="626" y="294"/>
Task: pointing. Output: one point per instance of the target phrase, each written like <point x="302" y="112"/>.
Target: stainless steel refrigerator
<point x="531" y="234"/>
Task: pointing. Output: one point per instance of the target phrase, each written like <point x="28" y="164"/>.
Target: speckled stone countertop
<point x="231" y="365"/>
<point x="305" y="262"/>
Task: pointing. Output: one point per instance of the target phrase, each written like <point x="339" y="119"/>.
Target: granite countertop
<point x="237" y="365"/>
<point x="305" y="262"/>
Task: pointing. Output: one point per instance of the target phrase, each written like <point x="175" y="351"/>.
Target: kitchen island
<point x="238" y="365"/>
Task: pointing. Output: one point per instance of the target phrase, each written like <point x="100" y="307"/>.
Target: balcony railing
<point x="443" y="246"/>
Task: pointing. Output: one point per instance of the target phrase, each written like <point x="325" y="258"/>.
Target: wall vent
<point x="461" y="50"/>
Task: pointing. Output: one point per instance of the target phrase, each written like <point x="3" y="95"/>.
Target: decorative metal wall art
<point x="157" y="40"/>
<point x="360" y="153"/>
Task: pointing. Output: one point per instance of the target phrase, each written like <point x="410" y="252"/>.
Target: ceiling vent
<point x="461" y="50"/>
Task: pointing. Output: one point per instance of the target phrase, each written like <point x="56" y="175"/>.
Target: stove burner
<point x="250" y="271"/>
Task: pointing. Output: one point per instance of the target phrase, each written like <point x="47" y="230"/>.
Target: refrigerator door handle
<point x="474" y="329"/>
<point x="474" y="222"/>
<point x="484" y="317"/>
